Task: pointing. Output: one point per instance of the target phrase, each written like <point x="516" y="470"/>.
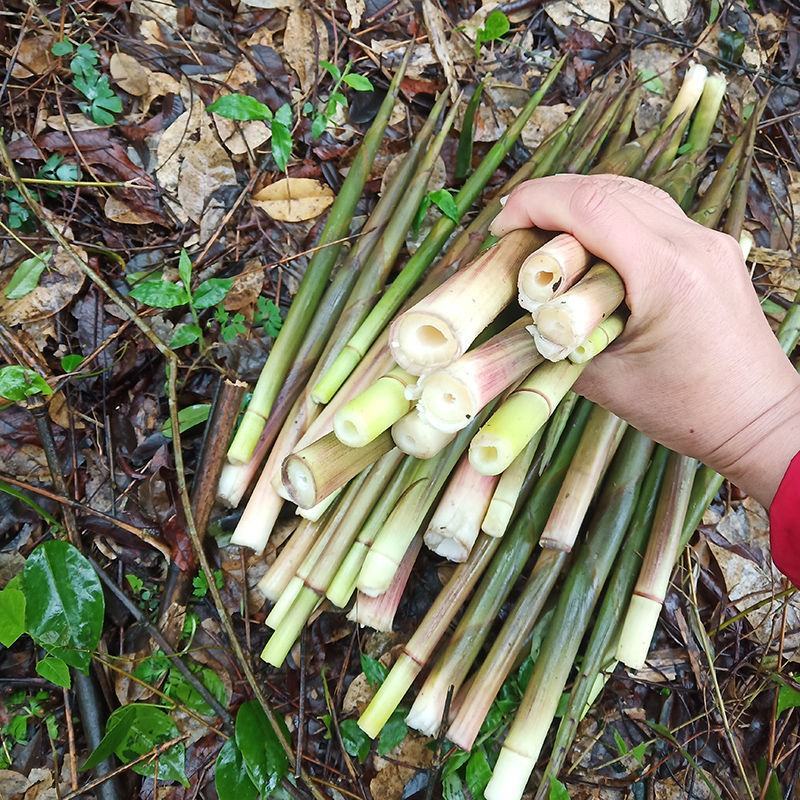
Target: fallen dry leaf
<point x="164" y="11"/>
<point x="12" y="784"/>
<point x="305" y="44"/>
<point x="192" y="164"/>
<point x="33" y="57"/>
<point x="356" y="9"/>
<point x="434" y="22"/>
<point x="675" y="11"/>
<point x="294" y="199"/>
<point x="72" y="122"/>
<point x="589" y="15"/>
<point x="119" y="211"/>
<point x="59" y="284"/>
<point x="543" y="122"/>
<point x="271" y="3"/>
<point x="140" y="81"/>
<point x="752" y="579"/>
<point x="412" y="754"/>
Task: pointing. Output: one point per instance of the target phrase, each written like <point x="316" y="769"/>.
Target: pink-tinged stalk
<point x="456" y="522"/>
<point x="451" y="397"/>
<point x="378" y="612"/>
<point x="599" y="442"/>
<point x="441" y="327"/>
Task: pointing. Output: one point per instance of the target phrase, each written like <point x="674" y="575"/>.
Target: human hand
<point x="697" y="368"/>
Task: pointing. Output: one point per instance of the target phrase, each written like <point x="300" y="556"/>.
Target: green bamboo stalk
<point x="619" y="136"/>
<point x="465" y="140"/>
<point x="576" y="601"/>
<point x="411" y="512"/>
<point x="409" y="276"/>
<point x="343" y="584"/>
<point x="593" y="141"/>
<point x="357" y="501"/>
<point x="505" y="555"/>
<point x="706" y="115"/>
<point x="609" y="618"/>
<point x="315" y="279"/>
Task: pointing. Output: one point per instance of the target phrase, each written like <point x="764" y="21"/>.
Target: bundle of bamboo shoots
<point x="438" y="410"/>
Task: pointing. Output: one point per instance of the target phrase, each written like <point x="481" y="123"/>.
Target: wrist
<point x="757" y="455"/>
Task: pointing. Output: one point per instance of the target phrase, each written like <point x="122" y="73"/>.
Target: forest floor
<point x="103" y="114"/>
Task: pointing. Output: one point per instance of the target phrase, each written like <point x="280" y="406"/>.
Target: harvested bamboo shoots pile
<point x="437" y="410"/>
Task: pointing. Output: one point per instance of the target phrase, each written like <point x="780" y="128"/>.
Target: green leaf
<point x="478" y="772"/>
<point x="230" y="775"/>
<point x="788" y="697"/>
<point x="185" y="269"/>
<point x="622" y="745"/>
<point x="185" y="334"/>
<point x="53" y="669"/>
<point x="26" y="276"/>
<point x="640" y="751"/>
<point x="318" y="126"/>
<point x="160" y="294"/>
<point x="18" y="383"/>
<point x="453" y="788"/>
<point x="12" y="612"/>
<point x="373" y="670"/>
<point x="241" y="107"/>
<point x="361" y="83"/>
<point x="393" y="732"/>
<point x="731" y="45"/>
<point x="136" y="729"/>
<point x="557" y="790"/>
<point x="331" y="69"/>
<point x="268" y="315"/>
<point x="495" y="26"/>
<point x="71" y="362"/>
<point x="232" y="327"/>
<point x="188" y="418"/>
<point x="211" y="292"/>
<point x="651" y="81"/>
<point x="713" y="11"/>
<point x="281" y="142"/>
<point x="152" y="669"/>
<point x="445" y="202"/>
<point x="262" y="752"/>
<point x="64" y="604"/>
<point x="61" y="48"/>
<point x="135" y="582"/>
<point x="355" y="741"/>
<point x="181" y="691"/>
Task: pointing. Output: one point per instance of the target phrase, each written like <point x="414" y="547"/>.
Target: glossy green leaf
<point x="71" y="362"/>
<point x="262" y="752"/>
<point x="557" y="790"/>
<point x="241" y="107"/>
<point x="788" y="697"/>
<point x="478" y="772"/>
<point x="230" y="775"/>
<point x="181" y="691"/>
<point x="160" y="294"/>
<point x="281" y="142"/>
<point x="185" y="269"/>
<point x="494" y="27"/>
<point x="188" y="418"/>
<point x="331" y="69"/>
<point x="445" y="202"/>
<point x="211" y="292"/>
<point x="373" y="670"/>
<point x="53" y="669"/>
<point x="26" y="276"/>
<point x="393" y="732"/>
<point x="355" y="741"/>
<point x="361" y="83"/>
<point x="185" y="334"/>
<point x="64" y="604"/>
<point x="18" y="383"/>
<point x="12" y="612"/>
<point x="137" y="729"/>
<point x="731" y="45"/>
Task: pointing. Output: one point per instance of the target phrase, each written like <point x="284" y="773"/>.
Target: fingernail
<point x="504" y="200"/>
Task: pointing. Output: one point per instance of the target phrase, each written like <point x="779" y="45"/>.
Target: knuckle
<point x="589" y="200"/>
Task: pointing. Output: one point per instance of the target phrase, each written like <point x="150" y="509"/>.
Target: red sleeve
<point x="784" y="520"/>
